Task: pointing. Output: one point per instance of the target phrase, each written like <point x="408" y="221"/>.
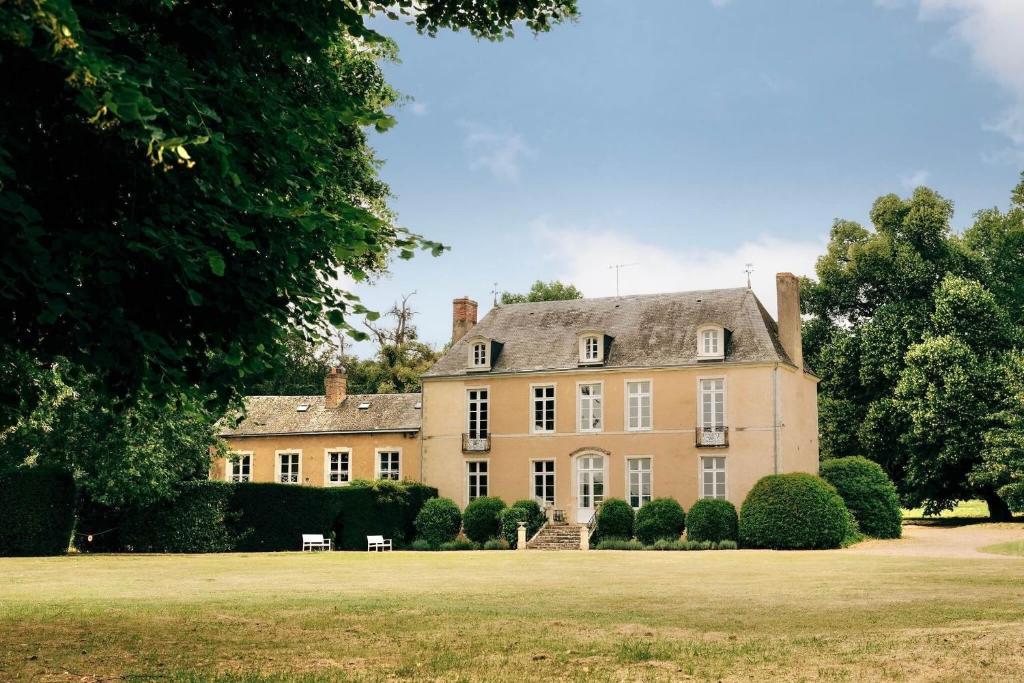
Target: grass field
<point x="965" y="509"/>
<point x="1011" y="548"/>
<point x="837" y="615"/>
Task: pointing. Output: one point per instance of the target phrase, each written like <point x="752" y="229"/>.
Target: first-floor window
<point x="712" y="477"/>
<point x="639" y="471"/>
<point x="240" y="469"/>
<point x="590" y="407"/>
<point x="476" y="478"/>
<point x="389" y="465"/>
<point x="288" y="468"/>
<point x="544" y="481"/>
<point x="544" y="409"/>
<point x="338" y="463"/>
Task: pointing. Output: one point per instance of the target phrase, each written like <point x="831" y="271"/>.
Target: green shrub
<point x="273" y="517"/>
<point x="194" y="521"/>
<point x="509" y="519"/>
<point x="535" y="518"/>
<point x="727" y="545"/>
<point x="665" y="544"/>
<point x="480" y="518"/>
<point x="868" y="493"/>
<point x="438" y="521"/>
<point x="660" y="518"/>
<point x="791" y="512"/>
<point x="619" y="544"/>
<point x="497" y="544"/>
<point x="421" y="544"/>
<point x="37" y="511"/>
<point x="459" y="544"/>
<point x="712" y="520"/>
<point x="614" y="519"/>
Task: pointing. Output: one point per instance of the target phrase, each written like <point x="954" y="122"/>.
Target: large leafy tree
<point x="556" y="290"/>
<point x="181" y="182"/>
<point x="907" y="339"/>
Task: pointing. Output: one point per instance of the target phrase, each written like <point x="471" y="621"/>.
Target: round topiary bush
<point x="868" y="493"/>
<point x="712" y="519"/>
<point x="615" y="519"/>
<point x="660" y="518"/>
<point x="480" y="519"/>
<point x="438" y="521"/>
<point x="796" y="511"/>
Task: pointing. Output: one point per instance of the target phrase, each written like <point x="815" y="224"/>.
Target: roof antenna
<point x="618" y="267"/>
<point x="748" y="270"/>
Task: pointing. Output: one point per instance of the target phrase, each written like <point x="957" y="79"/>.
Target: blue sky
<point x="689" y="137"/>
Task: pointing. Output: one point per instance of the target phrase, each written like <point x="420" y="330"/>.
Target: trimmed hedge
<point x="438" y="521"/>
<point x="660" y="518"/>
<point x="868" y="493"/>
<point x="509" y="519"/>
<point x="795" y="511"/>
<point x="535" y="517"/>
<point x="100" y="522"/>
<point x="194" y="521"/>
<point x="712" y="519"/>
<point x="614" y="519"/>
<point x="37" y="511"/>
<point x="480" y="518"/>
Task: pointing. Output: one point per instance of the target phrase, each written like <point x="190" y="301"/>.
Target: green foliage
<point x="660" y="518"/>
<point x="535" y="517"/>
<point x="795" y="511"/>
<point x="614" y="519"/>
<point x="1002" y="457"/>
<point x="543" y="291"/>
<point x="460" y="544"/>
<point x="868" y="492"/>
<point x="196" y="520"/>
<point x="438" y="521"/>
<point x="421" y="544"/>
<point x="37" y="511"/>
<point x="509" y="519"/>
<point x="614" y="543"/>
<point x="711" y="519"/>
<point x="480" y="518"/>
<point x="497" y="544"/>
<point x="665" y="544"/>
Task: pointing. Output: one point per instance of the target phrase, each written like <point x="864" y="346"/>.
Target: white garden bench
<point x="377" y="543"/>
<point x="315" y="542"/>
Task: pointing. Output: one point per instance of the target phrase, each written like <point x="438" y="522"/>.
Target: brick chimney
<point x="463" y="317"/>
<point x="787" y="289"/>
<point x="335" y="385"/>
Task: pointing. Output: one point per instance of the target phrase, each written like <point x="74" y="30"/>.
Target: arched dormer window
<point x="711" y="341"/>
<point x="479" y="354"/>
<point x="591" y="348"/>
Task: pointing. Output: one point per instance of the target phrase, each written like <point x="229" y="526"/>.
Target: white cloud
<point x="498" y="152"/>
<point x="418" y="108"/>
<point x="993" y="30"/>
<point x="915" y="179"/>
<point x="586" y="257"/>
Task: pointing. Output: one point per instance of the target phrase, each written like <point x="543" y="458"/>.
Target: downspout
<point x="776" y="411"/>
<point x="423" y="421"/>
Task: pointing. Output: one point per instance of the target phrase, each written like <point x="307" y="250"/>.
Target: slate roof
<point x="267" y="415"/>
<point x="653" y="330"/>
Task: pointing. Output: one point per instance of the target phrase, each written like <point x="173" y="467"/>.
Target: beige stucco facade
<point x="770" y="412"/>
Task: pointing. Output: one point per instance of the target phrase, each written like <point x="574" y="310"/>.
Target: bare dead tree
<point x="402" y="331"/>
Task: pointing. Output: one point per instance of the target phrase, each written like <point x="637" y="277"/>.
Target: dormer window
<point x="591" y="348"/>
<point x="711" y="341"/>
<point x="481" y="352"/>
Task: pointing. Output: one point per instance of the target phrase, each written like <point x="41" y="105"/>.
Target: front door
<point x="589" y="486"/>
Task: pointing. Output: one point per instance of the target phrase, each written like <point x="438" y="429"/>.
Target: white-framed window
<point x="712" y="477"/>
<point x="712" y="403"/>
<point x="289" y="467"/>
<point x="638" y="405"/>
<point x="477" y="413"/>
<point x="477" y="480"/>
<point x="543" y="472"/>
<point x="591" y="348"/>
<point x="711" y="341"/>
<point x="337" y="466"/>
<point x="638" y="481"/>
<point x="239" y="468"/>
<point x="478" y="354"/>
<point x="543" y="408"/>
<point x="590" y="411"/>
<point x="389" y="464"/>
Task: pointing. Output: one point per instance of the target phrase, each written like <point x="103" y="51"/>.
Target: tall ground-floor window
<point x="712" y="477"/>
<point x="639" y="483"/>
<point x="288" y="468"/>
<point x="389" y="465"/>
<point x="544" y="481"/>
<point x="476" y="479"/>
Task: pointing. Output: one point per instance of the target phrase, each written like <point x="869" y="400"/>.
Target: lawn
<point x="1011" y="548"/>
<point x="837" y="615"/>
<point x="965" y="509"/>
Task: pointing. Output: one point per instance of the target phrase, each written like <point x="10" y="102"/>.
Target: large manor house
<point x="687" y="395"/>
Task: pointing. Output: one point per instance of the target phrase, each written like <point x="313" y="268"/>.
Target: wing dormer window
<point x="591" y="347"/>
<point x="480" y="354"/>
<point x="711" y="341"/>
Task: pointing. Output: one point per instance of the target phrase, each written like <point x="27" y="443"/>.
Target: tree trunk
<point x="998" y="510"/>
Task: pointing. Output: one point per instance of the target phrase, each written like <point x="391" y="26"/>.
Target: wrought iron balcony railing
<point x="477" y="444"/>
<point x="712" y="437"/>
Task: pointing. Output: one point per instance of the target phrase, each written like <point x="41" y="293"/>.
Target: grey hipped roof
<point x="654" y="330"/>
<point x="267" y="415"/>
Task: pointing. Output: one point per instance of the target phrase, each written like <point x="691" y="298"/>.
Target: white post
<point x="584" y="538"/>
<point x="521" y="536"/>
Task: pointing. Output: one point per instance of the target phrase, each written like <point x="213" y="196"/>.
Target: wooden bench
<point x="377" y="543"/>
<point x="315" y="542"/>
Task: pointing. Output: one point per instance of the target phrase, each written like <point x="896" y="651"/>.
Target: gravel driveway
<point x="944" y="541"/>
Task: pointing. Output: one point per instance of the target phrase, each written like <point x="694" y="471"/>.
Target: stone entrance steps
<point x="557" y="537"/>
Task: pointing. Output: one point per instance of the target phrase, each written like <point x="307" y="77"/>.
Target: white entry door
<point x="589" y="486"/>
